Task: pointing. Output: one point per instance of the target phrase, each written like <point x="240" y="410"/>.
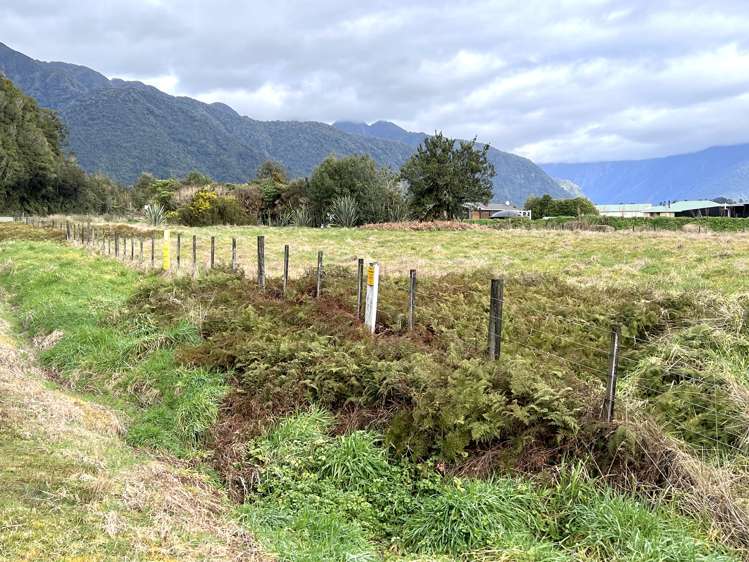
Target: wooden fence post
<point x="233" y="254"/>
<point x="496" y="298"/>
<point x="213" y="251"/>
<point x="140" y="239"/>
<point x="285" y="267"/>
<point x="116" y="245"/>
<point x="411" y="298"/>
<point x="194" y="255"/>
<point x="373" y="287"/>
<point x="261" y="261"/>
<point x="132" y="248"/>
<point x="67" y="231"/>
<point x="318" y="289"/>
<point x="608" y="404"/>
<point x="359" y="286"/>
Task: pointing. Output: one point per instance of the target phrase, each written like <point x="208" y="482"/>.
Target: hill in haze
<point x="517" y="178"/>
<point x="123" y="128"/>
<point x="709" y="173"/>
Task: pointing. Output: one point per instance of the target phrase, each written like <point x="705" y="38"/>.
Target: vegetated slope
<point x="517" y="178"/>
<point x="316" y="486"/>
<point x="713" y="172"/>
<point x="70" y="488"/>
<point x="124" y="128"/>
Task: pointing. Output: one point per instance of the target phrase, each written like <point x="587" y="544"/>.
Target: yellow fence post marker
<point x="165" y="251"/>
<point x="373" y="287"/>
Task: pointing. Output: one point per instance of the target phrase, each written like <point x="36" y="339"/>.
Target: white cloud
<point x="570" y="80"/>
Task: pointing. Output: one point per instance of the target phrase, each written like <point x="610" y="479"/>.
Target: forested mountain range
<point x="713" y="172"/>
<point x="517" y="178"/>
<point x="124" y="128"/>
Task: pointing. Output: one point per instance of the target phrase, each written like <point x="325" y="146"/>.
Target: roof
<point x="507" y="213"/>
<point x="491" y="206"/>
<point x="624" y="207"/>
<point x="681" y="206"/>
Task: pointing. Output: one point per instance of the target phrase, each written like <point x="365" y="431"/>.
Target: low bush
<point x="207" y="208"/>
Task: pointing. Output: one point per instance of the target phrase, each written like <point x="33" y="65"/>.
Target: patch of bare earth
<point x="86" y="495"/>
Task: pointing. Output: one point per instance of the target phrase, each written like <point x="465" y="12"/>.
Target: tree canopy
<point x="443" y="177"/>
<point x="546" y="206"/>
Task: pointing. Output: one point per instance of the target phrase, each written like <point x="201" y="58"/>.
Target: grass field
<point x="412" y="446"/>
<point x="670" y="260"/>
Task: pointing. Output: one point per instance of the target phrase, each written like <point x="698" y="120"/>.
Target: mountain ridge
<point x="123" y="128"/>
<point x="703" y="174"/>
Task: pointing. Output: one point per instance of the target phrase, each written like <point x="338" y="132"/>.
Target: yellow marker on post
<point x="166" y="264"/>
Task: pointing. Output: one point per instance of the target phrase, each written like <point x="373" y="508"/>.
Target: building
<point x="495" y="211"/>
<point x="696" y="208"/>
<point x="691" y="208"/>
<point x="624" y="210"/>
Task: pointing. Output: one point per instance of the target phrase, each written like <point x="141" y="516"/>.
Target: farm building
<point x="495" y="211"/>
<point x="695" y="208"/>
<point x="624" y="210"/>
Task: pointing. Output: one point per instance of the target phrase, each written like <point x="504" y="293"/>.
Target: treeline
<point x="35" y="174"/>
<point x="436" y="182"/>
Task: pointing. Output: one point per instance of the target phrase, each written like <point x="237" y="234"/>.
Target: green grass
<point x="168" y="351"/>
<point x="109" y="350"/>
<point x="341" y="498"/>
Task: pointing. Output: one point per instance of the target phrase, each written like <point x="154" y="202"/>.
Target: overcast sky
<point x="551" y="80"/>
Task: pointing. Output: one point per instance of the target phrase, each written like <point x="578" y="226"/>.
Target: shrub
<point x="207" y="208"/>
<point x="344" y="210"/>
<point x="154" y="214"/>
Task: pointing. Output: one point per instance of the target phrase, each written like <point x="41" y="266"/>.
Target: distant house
<point x="495" y="211"/>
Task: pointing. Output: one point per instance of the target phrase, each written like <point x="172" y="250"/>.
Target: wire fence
<point x="597" y="355"/>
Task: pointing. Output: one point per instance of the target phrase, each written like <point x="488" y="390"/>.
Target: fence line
<point x="106" y="240"/>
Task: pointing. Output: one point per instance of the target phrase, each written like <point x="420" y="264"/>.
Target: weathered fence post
<point x="608" y="404"/>
<point x="411" y="298"/>
<point x="261" y="261"/>
<point x="67" y="231"/>
<point x="233" y="254"/>
<point x="132" y="248"/>
<point x="496" y="299"/>
<point x="116" y="245"/>
<point x="359" y="286"/>
<point x="373" y="287"/>
<point x="194" y="255"/>
<point x="179" y="250"/>
<point x="213" y="251"/>
<point x="165" y="262"/>
<point x="318" y="289"/>
<point x="285" y="267"/>
<point x="141" y="249"/>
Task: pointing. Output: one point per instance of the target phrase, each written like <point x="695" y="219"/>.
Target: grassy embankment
<point x="212" y="369"/>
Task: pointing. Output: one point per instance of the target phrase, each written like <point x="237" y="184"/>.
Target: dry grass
<point x="71" y="489"/>
<point x="672" y="260"/>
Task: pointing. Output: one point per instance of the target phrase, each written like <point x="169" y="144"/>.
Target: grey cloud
<point x="571" y="80"/>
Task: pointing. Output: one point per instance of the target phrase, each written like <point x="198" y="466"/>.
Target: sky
<point x="563" y="80"/>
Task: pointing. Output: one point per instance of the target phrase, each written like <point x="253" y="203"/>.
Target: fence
<point x="141" y="250"/>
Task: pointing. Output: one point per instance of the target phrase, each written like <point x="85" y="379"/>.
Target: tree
<point x="355" y="176"/>
<point x="443" y="177"/>
<point x="273" y="171"/>
<point x="546" y="206"/>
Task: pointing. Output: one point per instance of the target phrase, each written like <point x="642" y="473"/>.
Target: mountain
<point x="124" y="128"/>
<point x="717" y="171"/>
<point x="517" y="178"/>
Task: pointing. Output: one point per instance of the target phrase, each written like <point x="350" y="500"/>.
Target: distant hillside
<point x="717" y="171"/>
<point x="517" y="178"/>
<point x="125" y="128"/>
